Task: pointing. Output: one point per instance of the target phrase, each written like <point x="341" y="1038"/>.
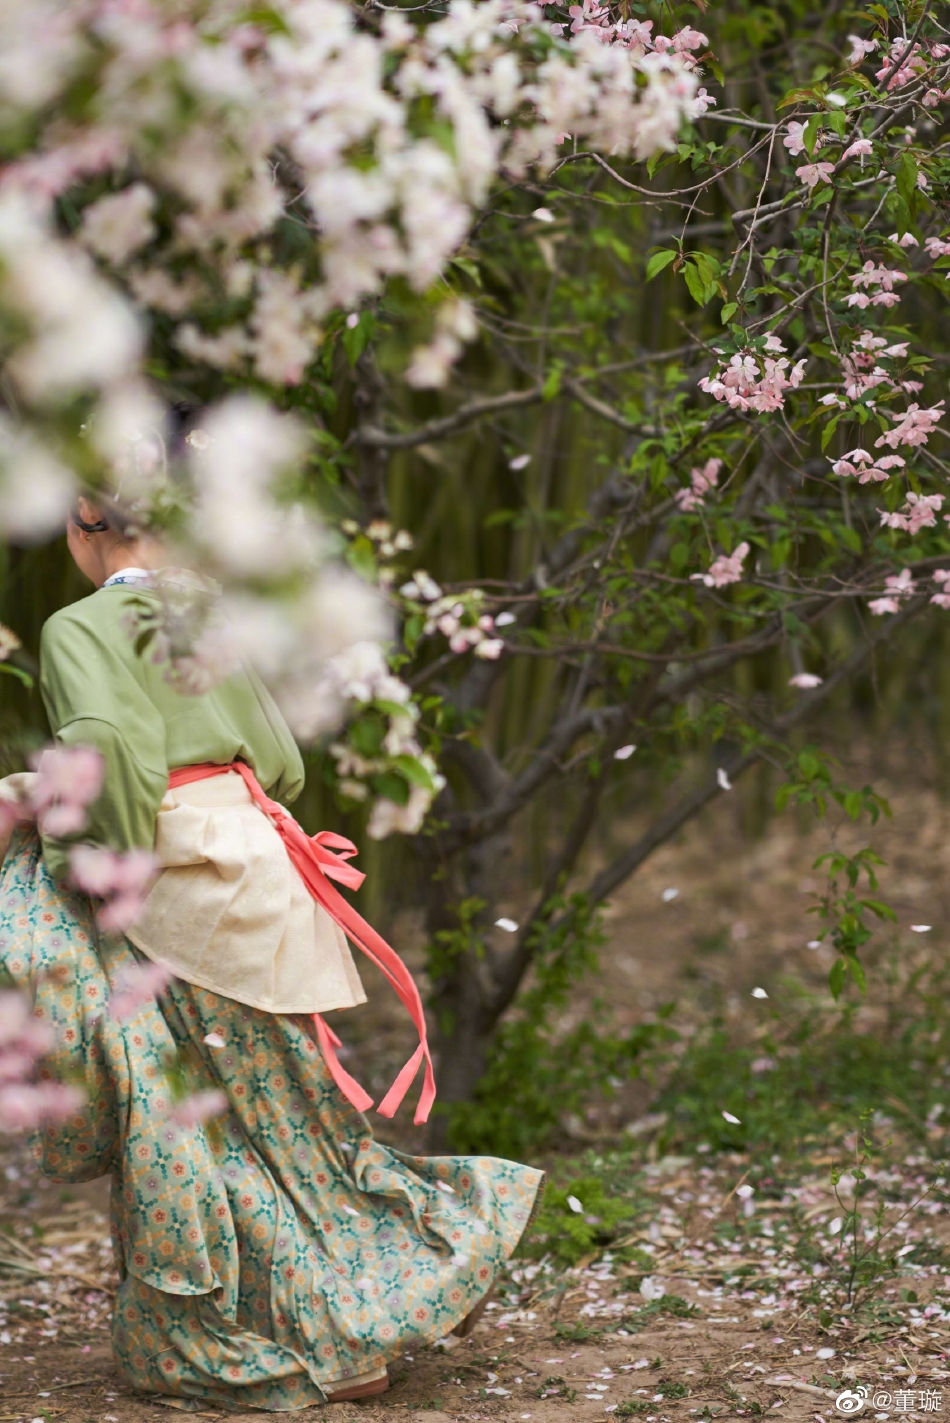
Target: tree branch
<point x="446" y="424"/>
<point x="609" y="879"/>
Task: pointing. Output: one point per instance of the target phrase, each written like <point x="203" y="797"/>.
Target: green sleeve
<point x="290" y="782"/>
<point x="93" y="698"/>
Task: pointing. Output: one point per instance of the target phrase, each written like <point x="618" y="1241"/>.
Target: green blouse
<point x="99" y="692"/>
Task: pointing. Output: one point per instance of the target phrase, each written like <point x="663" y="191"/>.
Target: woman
<point x="278" y="1256"/>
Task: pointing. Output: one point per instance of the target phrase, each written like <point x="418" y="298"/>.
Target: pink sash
<point x="317" y="865"/>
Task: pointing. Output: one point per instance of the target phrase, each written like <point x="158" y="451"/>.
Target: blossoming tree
<point x="704" y="435"/>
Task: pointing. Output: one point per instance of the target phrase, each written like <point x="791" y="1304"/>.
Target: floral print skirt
<point x="277" y="1251"/>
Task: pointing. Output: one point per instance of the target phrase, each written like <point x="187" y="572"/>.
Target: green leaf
<point x="18" y="672"/>
<point x="728" y="311"/>
<point x="695" y="284"/>
<point x="707" y="266"/>
<point x="366" y="735"/>
<point x="470" y="268"/>
<point x="658" y="261"/>
<point x="552" y="385"/>
<point x="393" y="787"/>
<point x="361" y="557"/>
<point x="828" y="431"/>
<point x="390" y="708"/>
<point x="836" y="978"/>
<point x="809" y="765"/>
<point x="810" y="133"/>
<point x="780" y="551"/>
<point x="880" y="909"/>
<point x="355" y="338"/>
<point x="853" y="804"/>
<point x="907" y="179"/>
<point x="414" y="772"/>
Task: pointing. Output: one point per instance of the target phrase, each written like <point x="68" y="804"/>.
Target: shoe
<point x="358" y="1388"/>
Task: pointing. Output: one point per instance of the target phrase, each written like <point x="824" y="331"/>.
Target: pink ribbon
<point x="315" y="861"/>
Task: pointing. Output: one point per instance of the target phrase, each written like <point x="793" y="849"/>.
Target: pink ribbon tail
<point x="351" y="1089"/>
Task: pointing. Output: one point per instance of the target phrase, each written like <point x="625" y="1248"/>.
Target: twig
<point x="801" y="1387"/>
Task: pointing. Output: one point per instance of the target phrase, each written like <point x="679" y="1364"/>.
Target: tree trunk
<point x="461" y="980"/>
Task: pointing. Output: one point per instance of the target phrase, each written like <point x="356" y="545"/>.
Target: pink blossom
<point x="794" y="139"/>
<point x="868" y="469"/>
<point x="50" y="173"/>
<point x="24" y="1106"/>
<point x="854" y="457"/>
<point x="908" y="240"/>
<point x="702" y="481"/>
<point x="68" y="780"/>
<point x="861" y="148"/>
<point x="859" y="299"/>
<point x="744" y="387"/>
<point x="636" y="35"/>
<point x="919" y="512"/>
<point x="860" y="49"/>
<point x="119" y="224"/>
<point x="857" y="382"/>
<point x="942" y="579"/>
<point x="914" y="427"/>
<point x="814" y="173"/>
<point x="490" y="648"/>
<point x="725" y="569"/>
<point x="899" y="585"/>
<point x="199" y="1107"/>
<point x="121" y="880"/>
<point x="686" y="39"/>
<point x="937" y="246"/>
<point x="805" y="681"/>
<point x="910" y="62"/>
<point x="872" y="276"/>
<point x="885" y="298"/>
<point x="24" y="1038"/>
<point x="701" y="102"/>
<point x="136" y="985"/>
<point x="588" y="14"/>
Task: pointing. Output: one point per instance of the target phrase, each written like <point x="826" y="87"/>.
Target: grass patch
<point x="813" y="1070"/>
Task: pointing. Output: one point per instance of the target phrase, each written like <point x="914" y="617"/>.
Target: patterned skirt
<point x="277" y="1251"/>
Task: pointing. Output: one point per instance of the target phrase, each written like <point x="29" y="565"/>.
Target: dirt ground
<point x="597" y="1341"/>
<point x="728" y="1337"/>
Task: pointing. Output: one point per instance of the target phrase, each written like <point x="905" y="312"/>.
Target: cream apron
<point x="229" y="911"/>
